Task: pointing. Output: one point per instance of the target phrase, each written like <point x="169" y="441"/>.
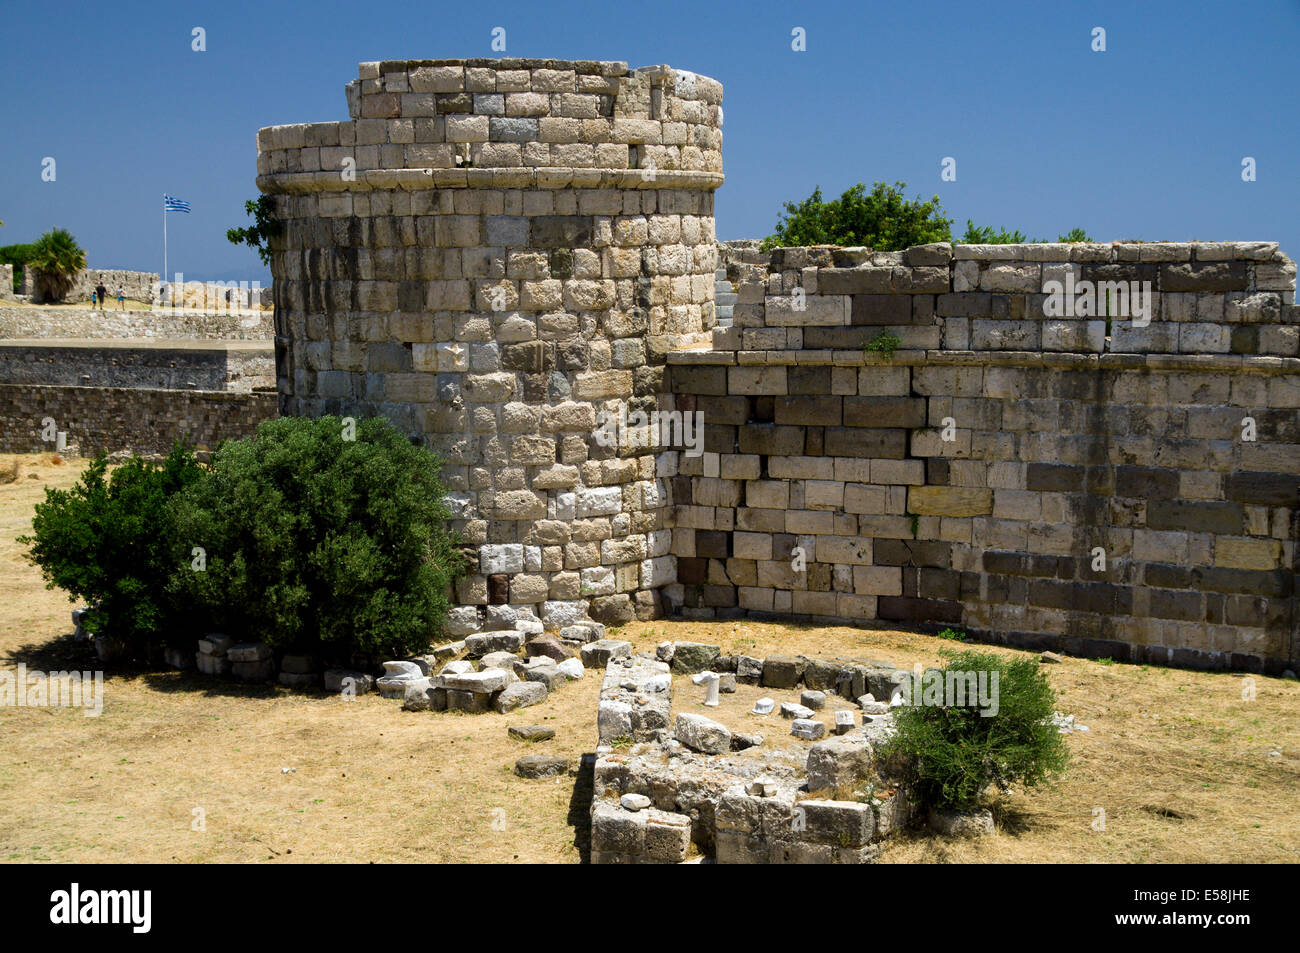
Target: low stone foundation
<point x="661" y="790"/>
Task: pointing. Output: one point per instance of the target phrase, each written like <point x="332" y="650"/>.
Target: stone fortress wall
<point x="138" y="285"/>
<point x="490" y="253"/>
<point x="1065" y="443"/>
<point x="493" y="253"/>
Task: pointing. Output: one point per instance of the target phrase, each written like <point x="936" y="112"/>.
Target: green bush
<point x="988" y="235"/>
<point x="106" y="541"/>
<point x="953" y="753"/>
<point x="881" y="219"/>
<point x="318" y="543"/>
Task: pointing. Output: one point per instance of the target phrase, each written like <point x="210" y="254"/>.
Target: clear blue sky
<point x="1142" y="141"/>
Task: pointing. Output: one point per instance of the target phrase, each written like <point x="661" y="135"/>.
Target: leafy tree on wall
<point x="882" y="219"/>
<point x="265" y="226"/>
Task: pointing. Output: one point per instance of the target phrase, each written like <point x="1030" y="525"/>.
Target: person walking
<point x="121" y="298"/>
<point x="101" y="292"/>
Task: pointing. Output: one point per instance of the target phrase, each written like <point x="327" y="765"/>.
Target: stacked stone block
<point x="491" y="254"/>
<point x="111" y="419"/>
<point x="1065" y="443"/>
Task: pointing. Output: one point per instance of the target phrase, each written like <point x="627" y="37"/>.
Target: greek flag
<point x="175" y="205"/>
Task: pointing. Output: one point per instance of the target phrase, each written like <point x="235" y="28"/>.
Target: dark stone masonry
<point x="1084" y="446"/>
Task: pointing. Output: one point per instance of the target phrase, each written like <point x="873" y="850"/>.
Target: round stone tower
<point x="496" y="255"/>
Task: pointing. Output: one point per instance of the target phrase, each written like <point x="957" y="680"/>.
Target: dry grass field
<point x="1184" y="768"/>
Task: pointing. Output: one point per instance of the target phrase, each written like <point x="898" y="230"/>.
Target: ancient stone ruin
<point x="1085" y="446"/>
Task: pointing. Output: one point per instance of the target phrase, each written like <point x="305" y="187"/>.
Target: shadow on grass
<point x="64" y="653"/>
<point x="1011" y="820"/>
<point x="579" y="817"/>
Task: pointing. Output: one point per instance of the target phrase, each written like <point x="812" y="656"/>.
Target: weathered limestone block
<point x="649" y="836"/>
<point x="702" y="734"/>
<point x="520" y="695"/>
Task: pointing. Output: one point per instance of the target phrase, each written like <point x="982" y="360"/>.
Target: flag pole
<point x="164" y="274"/>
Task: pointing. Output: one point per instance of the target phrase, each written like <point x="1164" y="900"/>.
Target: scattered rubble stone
<point x="298" y="679"/>
<point x="418" y="695"/>
<point x="748" y="670"/>
<point x="781" y="671"/>
<point x="548" y="646"/>
<point x="341" y="679"/>
<point x="635" y="699"/>
<point x="813" y="700"/>
<point x="396" y="677"/>
<point x="791" y="710"/>
<point x="702" y="734"/>
<point x="249" y="652"/>
<point x="502" y="660"/>
<point x="1051" y="658"/>
<point x="180" y="659"/>
<point x="839" y="762"/>
<point x="502" y="640"/>
<point x="763" y="706"/>
<point x="692" y="657"/>
<point x="597" y="654"/>
<point x="571" y="668"/>
<point x="541" y="766"/>
<point x="543" y="670"/>
<point x="961" y="823"/>
<point x="520" y="695"/>
<point x="215" y="644"/>
<point x="808" y="729"/>
<point x="635" y="802"/>
<point x="530" y="732"/>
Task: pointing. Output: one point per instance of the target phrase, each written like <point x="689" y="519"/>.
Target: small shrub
<point x="107" y="542"/>
<point x="954" y="753"/>
<point x="884" y="344"/>
<point x="988" y="235"/>
<point x="955" y="635"/>
<point x="320" y="544"/>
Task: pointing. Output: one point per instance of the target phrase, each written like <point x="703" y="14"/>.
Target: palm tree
<point x="57" y="259"/>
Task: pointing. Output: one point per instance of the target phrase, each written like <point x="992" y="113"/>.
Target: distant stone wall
<point x="113" y="365"/>
<point x="973" y="476"/>
<point x="161" y="323"/>
<point x="139" y="285"/>
<point x="139" y="420"/>
<point x="6" y="282"/>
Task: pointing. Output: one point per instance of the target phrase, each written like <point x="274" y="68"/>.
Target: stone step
<point x="720" y="274"/>
<point x="725" y="299"/>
